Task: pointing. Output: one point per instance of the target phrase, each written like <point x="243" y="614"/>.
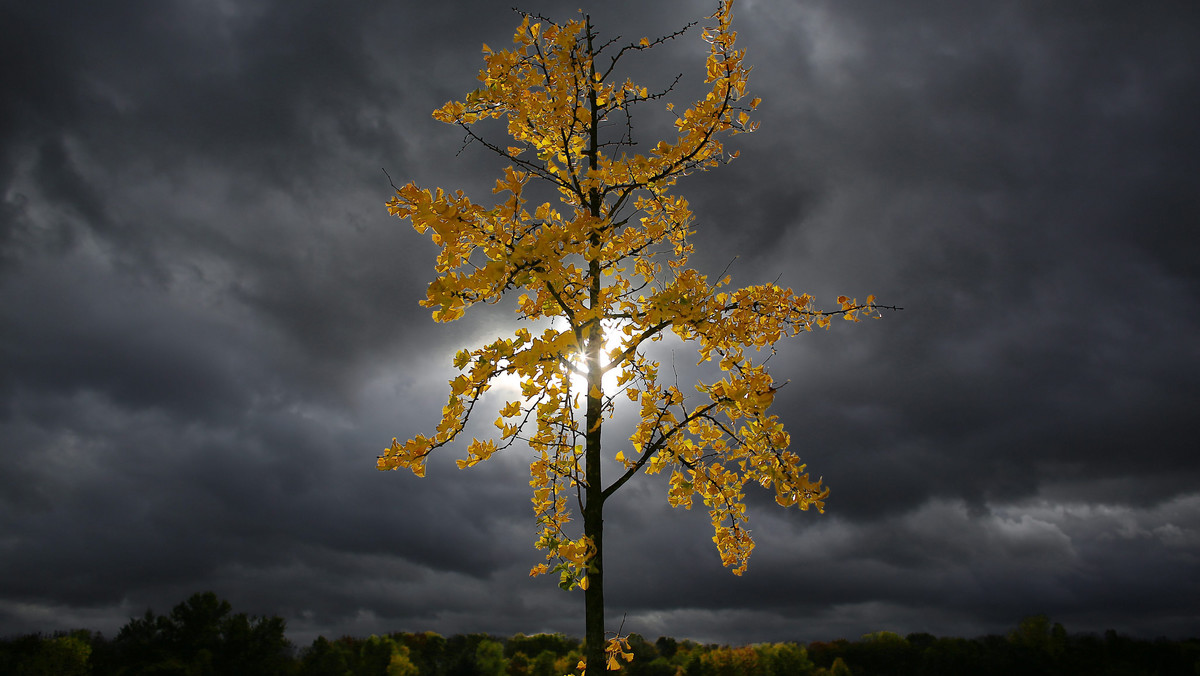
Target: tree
<point x="599" y="278"/>
<point x="325" y="658"/>
<point x="489" y="658"/>
<point x="784" y="659"/>
<point x="385" y="655"/>
<point x="203" y="636"/>
<point x="838" y="668"/>
<point x="64" y="654"/>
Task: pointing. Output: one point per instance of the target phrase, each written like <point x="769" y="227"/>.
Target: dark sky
<point x="209" y="325"/>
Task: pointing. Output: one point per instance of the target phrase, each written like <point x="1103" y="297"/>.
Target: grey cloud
<point x="210" y="324"/>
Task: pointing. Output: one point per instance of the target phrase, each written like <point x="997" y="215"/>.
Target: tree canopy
<point x="597" y="278"/>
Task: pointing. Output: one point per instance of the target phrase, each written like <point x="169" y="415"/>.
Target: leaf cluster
<point x="598" y="277"/>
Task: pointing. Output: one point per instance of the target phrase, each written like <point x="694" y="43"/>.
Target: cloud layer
<point x="209" y="328"/>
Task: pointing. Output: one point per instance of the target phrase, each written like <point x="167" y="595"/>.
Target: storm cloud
<point x="209" y="324"/>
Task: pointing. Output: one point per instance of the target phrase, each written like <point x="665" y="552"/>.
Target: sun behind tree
<point x="611" y="257"/>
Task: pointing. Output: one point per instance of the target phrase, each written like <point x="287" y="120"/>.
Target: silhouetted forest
<point x="203" y="636"/>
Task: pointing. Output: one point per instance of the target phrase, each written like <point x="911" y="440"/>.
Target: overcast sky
<point x="209" y="325"/>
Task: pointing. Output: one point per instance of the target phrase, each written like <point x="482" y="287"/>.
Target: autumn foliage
<point x="595" y="279"/>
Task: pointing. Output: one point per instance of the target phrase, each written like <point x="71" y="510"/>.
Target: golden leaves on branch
<point x="617" y="650"/>
<point x="608" y="261"/>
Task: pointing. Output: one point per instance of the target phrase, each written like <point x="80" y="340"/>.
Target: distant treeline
<point x="203" y="636"/>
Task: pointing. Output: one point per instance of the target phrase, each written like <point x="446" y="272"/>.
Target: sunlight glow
<point x="612" y="341"/>
<point x="508" y="386"/>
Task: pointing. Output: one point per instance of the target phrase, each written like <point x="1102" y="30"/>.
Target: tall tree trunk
<point x="593" y="527"/>
<point x="593" y="510"/>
